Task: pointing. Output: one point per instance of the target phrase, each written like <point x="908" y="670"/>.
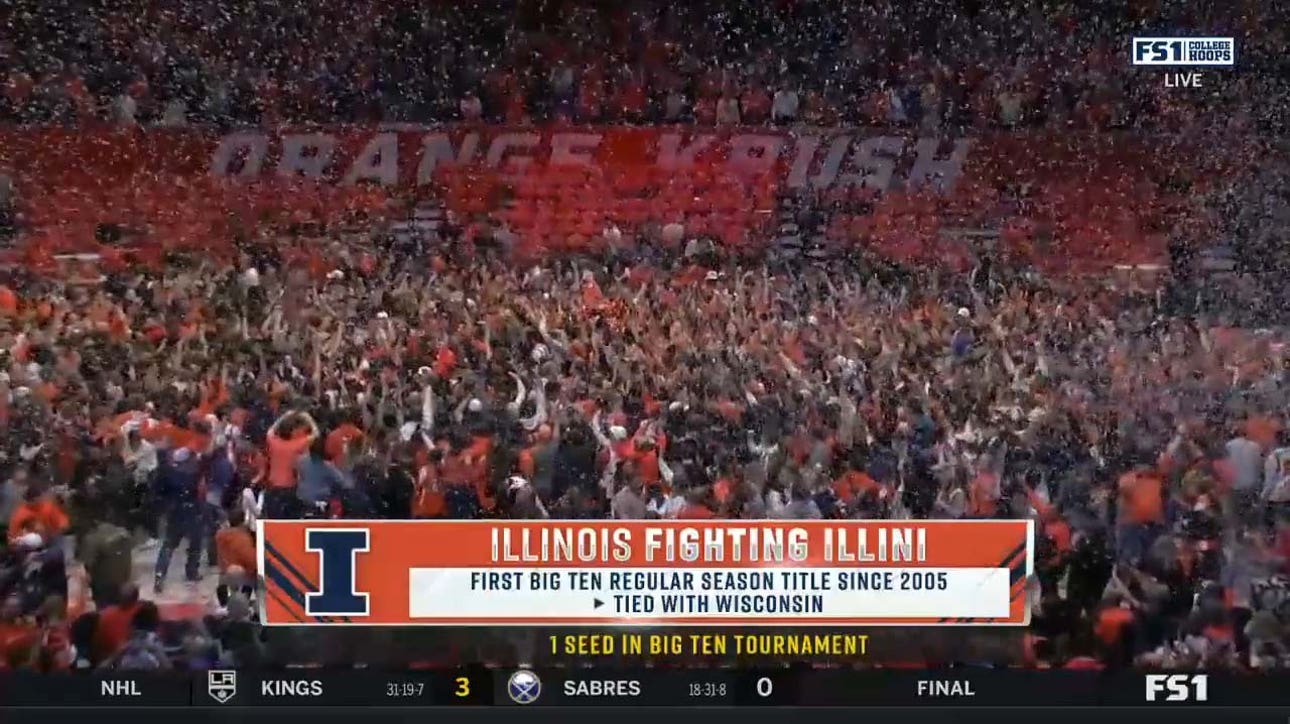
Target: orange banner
<point x="637" y="573"/>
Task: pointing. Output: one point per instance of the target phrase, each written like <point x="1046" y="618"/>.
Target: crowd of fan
<point x="343" y="377"/>
<point x="928" y="65"/>
<point x="1149" y="447"/>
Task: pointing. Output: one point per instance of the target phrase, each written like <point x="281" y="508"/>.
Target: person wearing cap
<point x="963" y="339"/>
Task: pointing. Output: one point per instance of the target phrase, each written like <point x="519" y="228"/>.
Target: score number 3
<point x="463" y="687"/>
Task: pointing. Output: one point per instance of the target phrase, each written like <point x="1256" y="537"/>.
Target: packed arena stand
<point x="202" y="327"/>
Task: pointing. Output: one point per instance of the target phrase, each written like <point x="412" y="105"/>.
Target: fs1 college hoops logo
<point x="1183" y="53"/>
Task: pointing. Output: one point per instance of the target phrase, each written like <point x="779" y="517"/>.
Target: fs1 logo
<point x="337" y="550"/>
<point x="1177" y="687"/>
<point x="1184" y="51"/>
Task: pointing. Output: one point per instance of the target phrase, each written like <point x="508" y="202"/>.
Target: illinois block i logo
<point x="1179" y="53"/>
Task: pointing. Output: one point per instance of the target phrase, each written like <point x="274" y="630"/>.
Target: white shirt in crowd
<point x="785" y="105"/>
<point x="251" y="506"/>
<point x="175" y="115"/>
<point x="627" y="504"/>
<point x="673" y="106"/>
<point x="1009" y="107"/>
<point x="562" y="80"/>
<point x="613" y="236"/>
<point x="1246" y="458"/>
<point x="728" y="110"/>
<point x="896" y="106"/>
<point x="471" y="108"/>
<point x="1276" y="476"/>
<point x="667" y="508"/>
<point x="673" y="232"/>
<point x="124" y="109"/>
<point x="140" y="459"/>
<point x="776" y="503"/>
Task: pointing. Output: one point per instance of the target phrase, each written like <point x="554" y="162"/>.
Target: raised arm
<point x="607" y="477"/>
<point x="314" y="430"/>
<point x="277" y="424"/>
<point x="427" y="411"/>
<point x="539" y="415"/>
<point x="599" y="433"/>
<point x="521" y="393"/>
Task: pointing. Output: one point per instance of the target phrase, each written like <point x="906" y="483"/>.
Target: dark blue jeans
<point x="178" y="528"/>
<point x="1134" y="540"/>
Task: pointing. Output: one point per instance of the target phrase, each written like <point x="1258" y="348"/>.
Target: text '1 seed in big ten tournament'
<point x="638" y="573"/>
<point x="1177" y="53"/>
<point x="669" y="644"/>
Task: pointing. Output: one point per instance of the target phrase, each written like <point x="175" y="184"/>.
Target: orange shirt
<point x="480" y="447"/>
<point x="445" y="362"/>
<point x="214" y="394"/>
<point x="1111" y="623"/>
<point x="695" y="512"/>
<point x="8" y="302"/>
<point x="479" y="472"/>
<point x="853" y="485"/>
<point x="283" y="453"/>
<point x="1045" y="509"/>
<point x="340" y="439"/>
<point x="983" y="496"/>
<point x="429" y="501"/>
<point x="235" y="547"/>
<point x="116" y="422"/>
<point x="47" y="391"/>
<point x="156" y="430"/>
<point x="474" y="467"/>
<point x="119" y="326"/>
<point x="1084" y="663"/>
<point x="723" y="490"/>
<point x="16" y="640"/>
<point x="1141" y="498"/>
<point x="647" y="467"/>
<point x="592" y="297"/>
<point x="1262" y="430"/>
<point x="46" y="517"/>
<point x="113" y="629"/>
<point x="731" y="411"/>
<point x="527" y="463"/>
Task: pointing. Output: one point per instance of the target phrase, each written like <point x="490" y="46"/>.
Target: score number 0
<point x="765" y="687"/>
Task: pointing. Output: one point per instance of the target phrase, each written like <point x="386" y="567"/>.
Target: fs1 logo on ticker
<point x="1184" y="51"/>
<point x="1177" y="687"/>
